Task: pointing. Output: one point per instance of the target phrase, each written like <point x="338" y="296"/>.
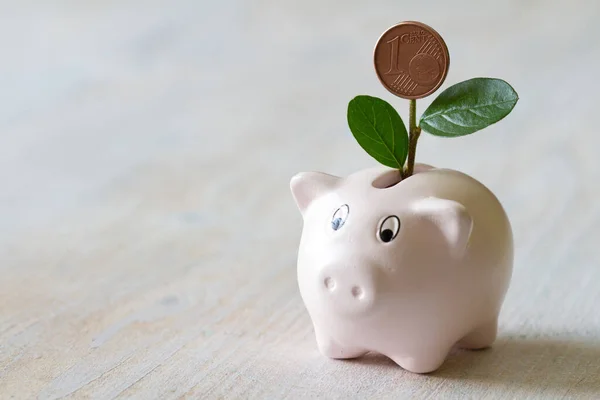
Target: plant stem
<point x="414" y="132"/>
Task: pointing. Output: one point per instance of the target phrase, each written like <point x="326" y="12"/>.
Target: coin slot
<point x="392" y="177"/>
<point x="387" y="179"/>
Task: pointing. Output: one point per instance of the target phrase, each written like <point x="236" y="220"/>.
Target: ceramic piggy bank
<point x="407" y="269"/>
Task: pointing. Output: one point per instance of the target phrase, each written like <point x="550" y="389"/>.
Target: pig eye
<point x="389" y="229"/>
<point x="339" y="217"/>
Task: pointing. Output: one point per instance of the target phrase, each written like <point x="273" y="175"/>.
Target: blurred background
<point x="146" y="149"/>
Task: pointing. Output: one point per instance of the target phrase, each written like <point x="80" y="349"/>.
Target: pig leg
<point x="481" y="337"/>
<point x="330" y="348"/>
<point x="424" y="360"/>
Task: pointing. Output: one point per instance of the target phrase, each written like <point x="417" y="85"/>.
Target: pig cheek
<point x="427" y="245"/>
<point x="315" y="250"/>
<point x="401" y="259"/>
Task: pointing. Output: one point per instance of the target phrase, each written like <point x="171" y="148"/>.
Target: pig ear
<point x="307" y="186"/>
<point x="451" y="217"/>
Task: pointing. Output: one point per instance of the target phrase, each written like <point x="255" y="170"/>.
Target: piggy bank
<point x="406" y="268"/>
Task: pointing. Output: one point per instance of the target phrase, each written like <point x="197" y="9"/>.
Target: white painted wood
<point x="147" y="233"/>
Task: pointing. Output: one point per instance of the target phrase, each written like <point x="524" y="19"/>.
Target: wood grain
<point x="147" y="234"/>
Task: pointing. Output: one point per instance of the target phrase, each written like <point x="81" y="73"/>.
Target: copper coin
<point x="411" y="60"/>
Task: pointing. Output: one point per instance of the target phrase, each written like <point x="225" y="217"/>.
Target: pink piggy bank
<point x="406" y="269"/>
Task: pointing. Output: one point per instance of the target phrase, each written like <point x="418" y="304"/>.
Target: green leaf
<point x="468" y="107"/>
<point x="379" y="130"/>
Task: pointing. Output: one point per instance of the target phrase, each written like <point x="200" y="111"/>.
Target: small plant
<point x="459" y="110"/>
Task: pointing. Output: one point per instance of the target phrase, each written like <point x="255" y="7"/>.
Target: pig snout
<point x="347" y="289"/>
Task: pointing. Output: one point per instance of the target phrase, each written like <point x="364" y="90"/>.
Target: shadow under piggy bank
<point x="552" y="364"/>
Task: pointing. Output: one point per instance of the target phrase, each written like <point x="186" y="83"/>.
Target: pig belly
<point x="392" y="334"/>
<point x="417" y="340"/>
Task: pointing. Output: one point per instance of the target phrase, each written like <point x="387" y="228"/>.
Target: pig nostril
<point x="329" y="283"/>
<point x="357" y="292"/>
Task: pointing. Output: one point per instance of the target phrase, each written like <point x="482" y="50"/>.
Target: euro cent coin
<point x="411" y="60"/>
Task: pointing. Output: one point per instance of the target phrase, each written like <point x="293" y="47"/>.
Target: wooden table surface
<point x="148" y="237"/>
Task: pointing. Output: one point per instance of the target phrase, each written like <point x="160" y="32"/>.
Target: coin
<point x="411" y="60"/>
